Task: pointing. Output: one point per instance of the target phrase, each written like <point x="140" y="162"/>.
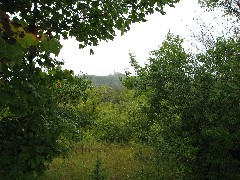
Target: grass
<point x="103" y="161"/>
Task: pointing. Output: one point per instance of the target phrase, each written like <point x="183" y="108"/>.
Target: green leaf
<point x="13" y="52"/>
<point x="81" y="46"/>
<point x="23" y="23"/>
<point x="65" y="35"/>
<point x="55" y="46"/>
<point x="91" y="52"/>
<point x="28" y="40"/>
<point x="51" y="46"/>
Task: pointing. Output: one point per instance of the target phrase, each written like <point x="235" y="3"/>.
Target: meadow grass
<point x="103" y="161"/>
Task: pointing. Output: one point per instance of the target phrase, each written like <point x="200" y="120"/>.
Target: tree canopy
<point x="89" y="21"/>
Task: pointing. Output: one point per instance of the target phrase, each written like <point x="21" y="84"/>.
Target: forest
<point x="175" y="117"/>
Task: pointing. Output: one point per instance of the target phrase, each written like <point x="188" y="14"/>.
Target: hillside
<point x="110" y="80"/>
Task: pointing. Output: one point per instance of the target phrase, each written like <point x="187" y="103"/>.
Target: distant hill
<point x="110" y="80"/>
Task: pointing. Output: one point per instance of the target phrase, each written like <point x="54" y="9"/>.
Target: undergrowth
<point x="103" y="161"/>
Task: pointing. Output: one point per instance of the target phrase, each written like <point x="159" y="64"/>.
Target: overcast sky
<point x="141" y="39"/>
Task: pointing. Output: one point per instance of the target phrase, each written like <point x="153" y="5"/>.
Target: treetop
<point x="89" y="21"/>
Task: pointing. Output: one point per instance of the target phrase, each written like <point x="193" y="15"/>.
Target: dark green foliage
<point x="217" y="120"/>
<point x="194" y="109"/>
<point x="31" y="127"/>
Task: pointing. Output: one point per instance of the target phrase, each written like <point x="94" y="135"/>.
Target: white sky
<point x="140" y="40"/>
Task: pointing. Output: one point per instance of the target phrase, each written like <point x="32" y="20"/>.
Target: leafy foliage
<point x="194" y="108"/>
<point x="119" y="118"/>
<point x="77" y="100"/>
<point x="89" y="21"/>
<point x="28" y="119"/>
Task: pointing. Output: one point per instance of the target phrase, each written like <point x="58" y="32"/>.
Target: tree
<point x="193" y="107"/>
<point x="206" y="31"/>
<point x="231" y="7"/>
<point x="33" y="127"/>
